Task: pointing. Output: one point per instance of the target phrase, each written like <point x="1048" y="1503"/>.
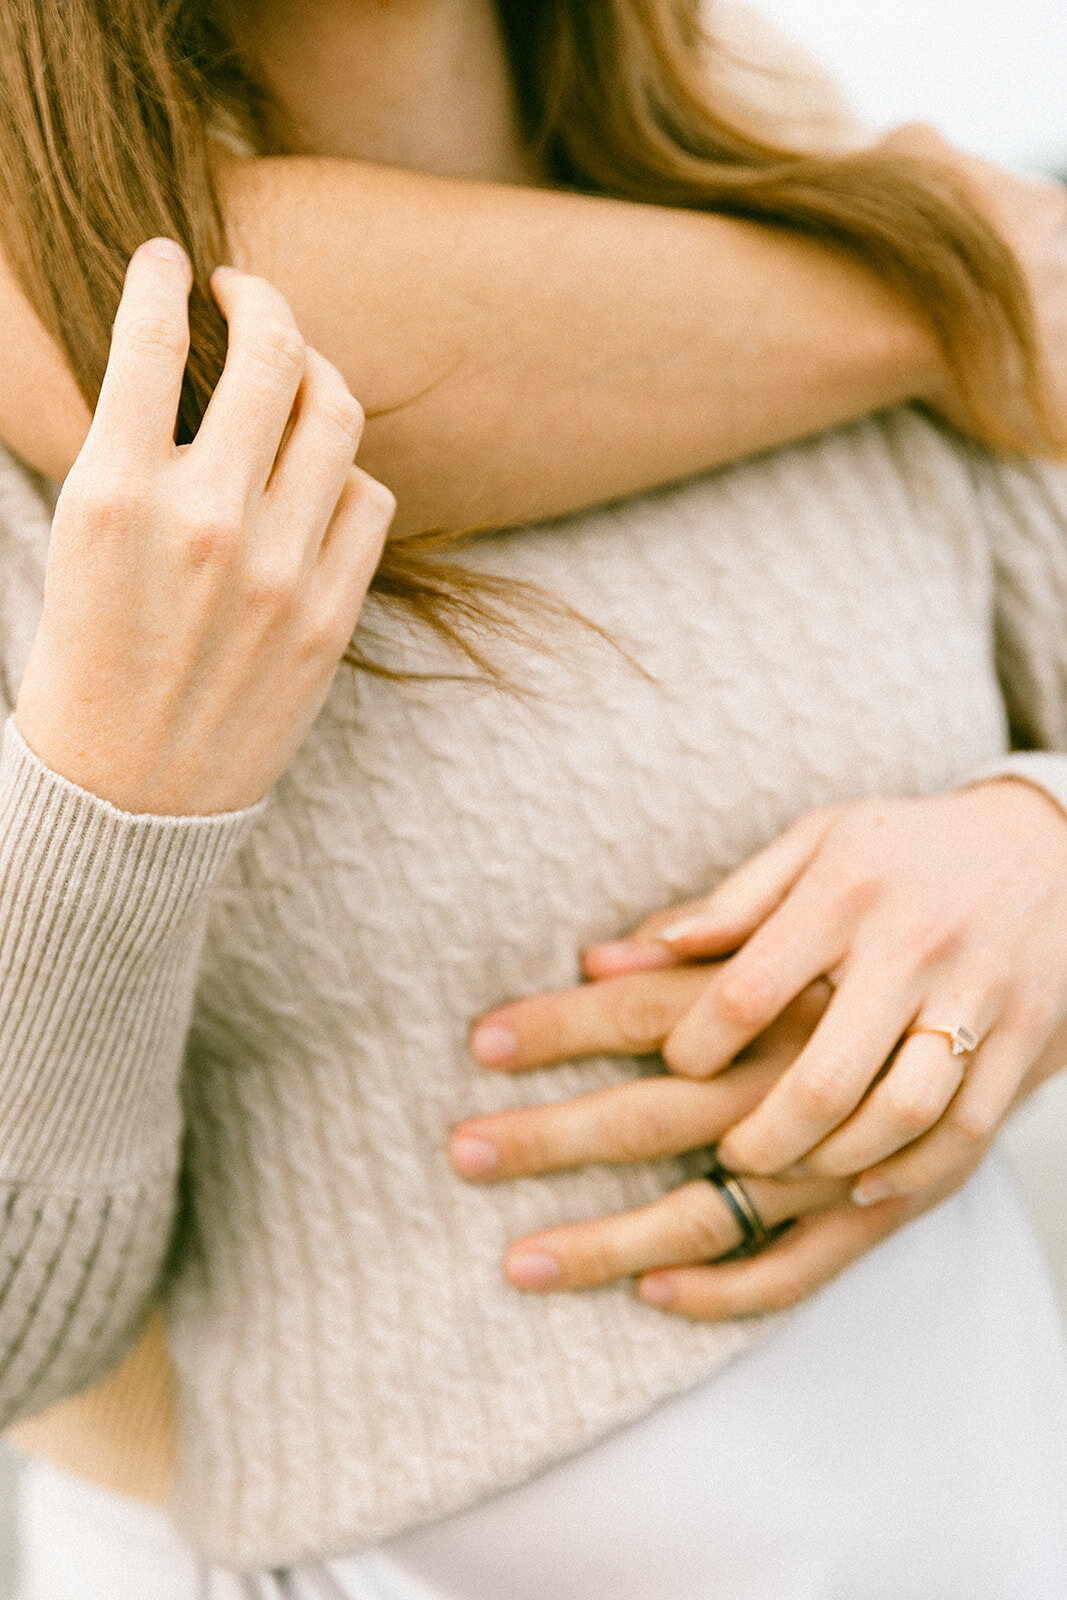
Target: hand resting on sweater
<point x="920" y="913"/>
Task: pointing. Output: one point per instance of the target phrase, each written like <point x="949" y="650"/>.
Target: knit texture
<point x="810" y="627"/>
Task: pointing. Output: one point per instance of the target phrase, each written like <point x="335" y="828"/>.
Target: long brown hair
<point x="104" y="114"/>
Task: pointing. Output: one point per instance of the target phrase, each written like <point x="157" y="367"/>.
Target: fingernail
<point x="688" y="928"/>
<point x="473" y="1158"/>
<point x="533" y="1269"/>
<point x="492" y="1045"/>
<point x="165" y="250"/>
<point x="869" y="1191"/>
<point x="656" y="1291"/>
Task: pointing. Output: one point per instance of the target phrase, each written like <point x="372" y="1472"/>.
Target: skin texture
<point x="507" y="366"/>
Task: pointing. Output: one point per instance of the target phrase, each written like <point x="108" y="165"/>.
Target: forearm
<point x="536" y="352"/>
<point x="523" y="353"/>
<point x="102" y="918"/>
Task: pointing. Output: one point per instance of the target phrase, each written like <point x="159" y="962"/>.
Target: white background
<point x="991" y="73"/>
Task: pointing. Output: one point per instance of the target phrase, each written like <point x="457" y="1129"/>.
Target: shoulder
<point x="772" y="86"/>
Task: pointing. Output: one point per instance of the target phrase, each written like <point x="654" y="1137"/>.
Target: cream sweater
<point x="233" y="1047"/>
<point x="288" y="990"/>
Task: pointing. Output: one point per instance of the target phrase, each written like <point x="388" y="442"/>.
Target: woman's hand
<point x="640" y="1121"/>
<point x="675" y="1246"/>
<point x="957" y="900"/>
<point x="925" y="914"/>
<point x="198" y="599"/>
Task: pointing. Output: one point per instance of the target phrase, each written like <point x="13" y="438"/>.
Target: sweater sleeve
<point x="1024" y="507"/>
<point x="102" y="920"/>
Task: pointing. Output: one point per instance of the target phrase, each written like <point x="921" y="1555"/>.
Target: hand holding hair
<point x="199" y="598"/>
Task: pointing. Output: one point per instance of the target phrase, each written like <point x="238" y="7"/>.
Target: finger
<point x="635" y="954"/>
<point x="247" y="416"/>
<point x="317" y="453"/>
<point x="692" y="1223"/>
<point x="858" y="1033"/>
<point x="809" y="1255"/>
<point x="965" y="1131"/>
<point x="721" y="921"/>
<point x="907" y="1102"/>
<point x="353" y="544"/>
<point x="622" y="1016"/>
<point x="149" y="348"/>
<point x="640" y="1121"/>
<point x="349" y="555"/>
<point x="804" y="939"/>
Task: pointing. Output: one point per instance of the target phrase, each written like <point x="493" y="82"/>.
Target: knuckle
<point x="914" y="1109"/>
<point x="974" y="1122"/>
<point x="370" y="500"/>
<point x="595" y="1259"/>
<point x="345" y="414"/>
<point x="856" y="887"/>
<point x="683" y="1057"/>
<point x="641" y="1020"/>
<point x="701" y="1227"/>
<point x="532" y="1146"/>
<point x="271" y="585"/>
<point x="144" y="335"/>
<point x="520" y="1143"/>
<point x="744" y="996"/>
<point x="334" y="402"/>
<point x="210" y="533"/>
<point x="277" y="346"/>
<point x="103" y="500"/>
<point x="930" y="939"/>
<point x="827" y="1089"/>
<point x="381" y="501"/>
<point x="624" y="1138"/>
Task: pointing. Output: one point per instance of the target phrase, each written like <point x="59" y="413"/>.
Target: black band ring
<point x="754" y="1232"/>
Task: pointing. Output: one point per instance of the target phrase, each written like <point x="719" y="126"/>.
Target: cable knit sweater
<point x="232" y="1047"/>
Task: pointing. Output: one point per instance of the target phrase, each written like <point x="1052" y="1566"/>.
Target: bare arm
<point x="538" y="352"/>
<point x="522" y="353"/>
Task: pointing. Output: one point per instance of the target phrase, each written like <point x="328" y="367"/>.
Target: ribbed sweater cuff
<point x="101" y="920"/>
<point x="1045" y="769"/>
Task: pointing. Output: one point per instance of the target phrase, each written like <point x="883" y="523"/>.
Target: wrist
<point x="128" y="785"/>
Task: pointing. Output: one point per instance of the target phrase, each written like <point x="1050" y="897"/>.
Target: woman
<point x="229" y="1290"/>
